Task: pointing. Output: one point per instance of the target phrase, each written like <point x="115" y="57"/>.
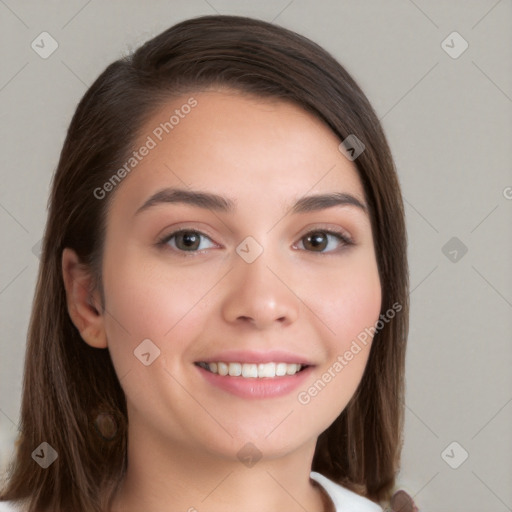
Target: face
<point x="256" y="275"/>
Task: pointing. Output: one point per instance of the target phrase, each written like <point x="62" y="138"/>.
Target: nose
<point x="260" y="296"/>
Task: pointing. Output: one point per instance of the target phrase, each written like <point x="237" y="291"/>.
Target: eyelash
<point x="162" y="243"/>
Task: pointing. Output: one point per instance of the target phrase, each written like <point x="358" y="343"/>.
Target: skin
<point x="184" y="434"/>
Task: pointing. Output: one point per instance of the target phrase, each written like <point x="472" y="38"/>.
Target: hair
<point x="77" y="383"/>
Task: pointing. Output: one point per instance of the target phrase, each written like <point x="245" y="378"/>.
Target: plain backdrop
<point x="446" y="110"/>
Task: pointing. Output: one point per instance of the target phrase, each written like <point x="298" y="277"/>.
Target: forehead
<point x="237" y="145"/>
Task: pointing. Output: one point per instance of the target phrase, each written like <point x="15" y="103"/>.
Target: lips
<point x="255" y="357"/>
<point x="256" y="375"/>
<point x="256" y="388"/>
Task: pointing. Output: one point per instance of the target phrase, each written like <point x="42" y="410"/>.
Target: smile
<point x="255" y="380"/>
<point x="251" y="370"/>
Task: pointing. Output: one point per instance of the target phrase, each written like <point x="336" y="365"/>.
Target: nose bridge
<point x="258" y="293"/>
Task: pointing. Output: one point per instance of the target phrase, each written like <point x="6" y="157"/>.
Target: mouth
<point x="270" y="370"/>
<point x="261" y="380"/>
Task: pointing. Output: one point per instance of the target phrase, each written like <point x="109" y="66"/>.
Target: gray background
<point x="449" y="125"/>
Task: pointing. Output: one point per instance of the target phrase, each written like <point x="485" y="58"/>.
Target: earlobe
<point x="83" y="305"/>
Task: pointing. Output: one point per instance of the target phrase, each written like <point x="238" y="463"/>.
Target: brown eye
<point x="186" y="241"/>
<point x="316" y="240"/>
<point x="319" y="240"/>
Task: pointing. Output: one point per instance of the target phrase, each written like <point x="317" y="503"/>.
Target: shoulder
<point x="343" y="498"/>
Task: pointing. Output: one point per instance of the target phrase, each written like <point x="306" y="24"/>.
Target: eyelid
<point x="328" y="228"/>
<point x="185" y="226"/>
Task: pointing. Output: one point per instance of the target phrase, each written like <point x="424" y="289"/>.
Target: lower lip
<point x="266" y="387"/>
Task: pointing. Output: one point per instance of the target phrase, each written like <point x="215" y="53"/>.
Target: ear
<point x="83" y="305"/>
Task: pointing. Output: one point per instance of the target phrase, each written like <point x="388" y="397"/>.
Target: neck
<point x="173" y="477"/>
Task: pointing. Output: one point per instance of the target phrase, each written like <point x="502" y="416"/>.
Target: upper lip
<point x="255" y="357"/>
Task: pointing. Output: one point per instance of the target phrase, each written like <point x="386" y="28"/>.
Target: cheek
<point x="348" y="300"/>
<point x="147" y="301"/>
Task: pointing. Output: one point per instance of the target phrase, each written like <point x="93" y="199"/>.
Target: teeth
<point x="222" y="368"/>
<point x="250" y="370"/>
<point x="235" y="369"/>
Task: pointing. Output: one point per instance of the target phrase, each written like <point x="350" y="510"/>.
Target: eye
<point x="321" y="239"/>
<point x="185" y="240"/>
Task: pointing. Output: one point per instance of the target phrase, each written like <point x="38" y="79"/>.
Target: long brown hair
<point x="68" y="384"/>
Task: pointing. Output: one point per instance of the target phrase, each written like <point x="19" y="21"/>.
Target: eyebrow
<point x="218" y="203"/>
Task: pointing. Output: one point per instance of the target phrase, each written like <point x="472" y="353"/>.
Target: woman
<point x="221" y="314"/>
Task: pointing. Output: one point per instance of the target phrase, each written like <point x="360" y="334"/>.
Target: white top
<point x="7" y="506"/>
<point x="343" y="499"/>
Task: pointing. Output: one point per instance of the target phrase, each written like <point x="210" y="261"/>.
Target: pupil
<point x="317" y="239"/>
<point x="189" y="238"/>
